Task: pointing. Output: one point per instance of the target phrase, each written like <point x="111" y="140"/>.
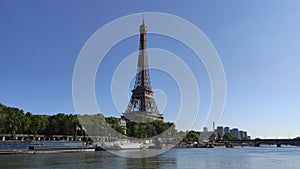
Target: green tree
<point x="192" y="136"/>
<point x="229" y="136"/>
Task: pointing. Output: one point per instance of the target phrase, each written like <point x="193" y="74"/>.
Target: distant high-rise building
<point x="205" y="129"/>
<point x="241" y="135"/>
<point x="226" y="130"/>
<point x="235" y="132"/>
<point x="220" y="130"/>
<point x="245" y="135"/>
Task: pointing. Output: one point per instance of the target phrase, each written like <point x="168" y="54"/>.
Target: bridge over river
<point x="258" y="142"/>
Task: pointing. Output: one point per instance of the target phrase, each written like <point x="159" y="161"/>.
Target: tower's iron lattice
<point x="142" y="100"/>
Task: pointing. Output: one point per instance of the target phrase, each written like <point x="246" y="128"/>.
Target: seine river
<point x="216" y="158"/>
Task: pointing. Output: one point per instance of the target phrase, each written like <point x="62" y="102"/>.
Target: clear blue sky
<point x="258" y="43"/>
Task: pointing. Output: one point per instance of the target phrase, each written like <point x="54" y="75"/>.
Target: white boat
<point x="122" y="146"/>
<point x="131" y="146"/>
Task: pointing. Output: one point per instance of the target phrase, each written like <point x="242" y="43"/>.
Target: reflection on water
<point x="139" y="153"/>
<point x="151" y="162"/>
<point x="218" y="158"/>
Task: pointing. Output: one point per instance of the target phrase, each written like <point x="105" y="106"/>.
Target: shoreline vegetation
<point x="14" y="121"/>
<point x="36" y="132"/>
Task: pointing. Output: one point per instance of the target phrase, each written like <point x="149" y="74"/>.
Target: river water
<point x="215" y="158"/>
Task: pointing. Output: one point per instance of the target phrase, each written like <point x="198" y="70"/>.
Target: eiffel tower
<point x="142" y="104"/>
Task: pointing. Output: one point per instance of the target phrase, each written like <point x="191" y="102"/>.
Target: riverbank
<point x="39" y="147"/>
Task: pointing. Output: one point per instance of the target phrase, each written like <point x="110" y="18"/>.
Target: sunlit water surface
<point x="216" y="158"/>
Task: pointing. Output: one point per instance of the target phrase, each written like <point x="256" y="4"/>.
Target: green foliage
<point x="95" y="125"/>
<point x="146" y="130"/>
<point x="13" y="121"/>
<point x="229" y="136"/>
<point x="192" y="136"/>
<point x="61" y="124"/>
<point x="34" y="124"/>
<point x="114" y="123"/>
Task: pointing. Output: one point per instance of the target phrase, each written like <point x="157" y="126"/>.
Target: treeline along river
<point x="217" y="158"/>
<point x="15" y="121"/>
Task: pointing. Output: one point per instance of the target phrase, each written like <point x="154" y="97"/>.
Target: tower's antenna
<point x="143" y="18"/>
